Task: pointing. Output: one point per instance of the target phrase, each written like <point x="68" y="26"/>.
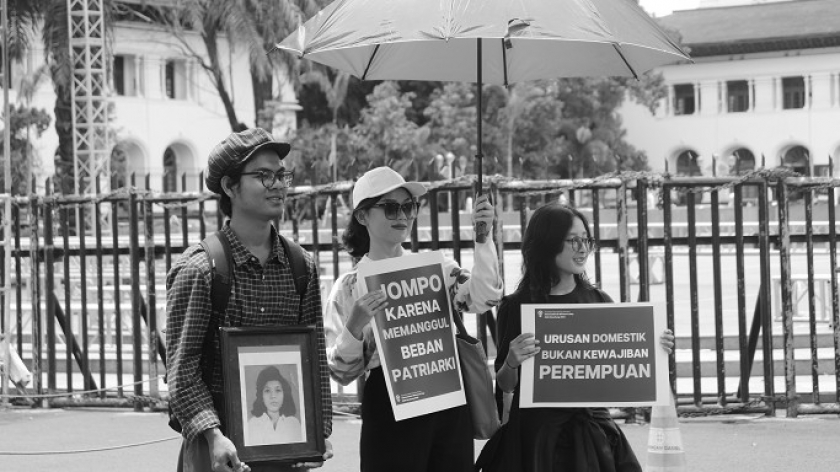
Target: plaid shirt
<point x="261" y="296"/>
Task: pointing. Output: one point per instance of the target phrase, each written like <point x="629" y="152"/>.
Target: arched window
<point x="179" y="168"/>
<point x="743" y="162"/>
<point x="170" y="171"/>
<point x="119" y="167"/>
<point x="127" y="159"/>
<point x="798" y="159"/>
<point x="687" y="164"/>
<point x="128" y="164"/>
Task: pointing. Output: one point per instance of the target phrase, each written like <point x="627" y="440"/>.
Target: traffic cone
<point x="665" y="449"/>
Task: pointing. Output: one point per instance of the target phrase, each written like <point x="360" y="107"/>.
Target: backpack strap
<point x="220" y="257"/>
<point x="297" y="260"/>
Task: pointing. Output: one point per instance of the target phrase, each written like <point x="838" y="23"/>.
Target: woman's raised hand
<point x="483" y="210"/>
<point x="363" y="310"/>
<point x="483" y="215"/>
<point x="523" y="347"/>
<point x="667" y="340"/>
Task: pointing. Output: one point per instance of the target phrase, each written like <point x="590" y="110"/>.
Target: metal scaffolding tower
<point x="91" y="143"/>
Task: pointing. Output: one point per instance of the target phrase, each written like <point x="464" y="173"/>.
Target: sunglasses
<point x="392" y="209"/>
<point x="581" y="244"/>
<point x="268" y="177"/>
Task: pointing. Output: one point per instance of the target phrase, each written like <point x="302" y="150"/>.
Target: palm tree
<point x="271" y="22"/>
<point x="51" y="17"/>
<point x="24" y="16"/>
<point x="29" y="84"/>
<point x="253" y="24"/>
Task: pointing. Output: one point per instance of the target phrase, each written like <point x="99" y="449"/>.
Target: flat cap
<point x="235" y="150"/>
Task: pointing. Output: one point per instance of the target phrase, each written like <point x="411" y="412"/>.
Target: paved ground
<point x="73" y="441"/>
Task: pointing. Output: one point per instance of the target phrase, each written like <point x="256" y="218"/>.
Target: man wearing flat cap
<point x="246" y="171"/>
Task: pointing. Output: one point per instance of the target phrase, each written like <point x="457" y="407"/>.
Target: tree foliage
<point x="392" y="138"/>
<point x="451" y="118"/>
<point x="562" y="128"/>
<point x="27" y="124"/>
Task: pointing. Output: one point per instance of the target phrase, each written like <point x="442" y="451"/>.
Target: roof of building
<point x="776" y="26"/>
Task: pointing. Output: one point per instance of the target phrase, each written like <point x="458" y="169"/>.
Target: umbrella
<point x="486" y="41"/>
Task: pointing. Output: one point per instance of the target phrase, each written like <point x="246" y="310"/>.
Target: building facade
<point x="764" y="85"/>
<point x="166" y="114"/>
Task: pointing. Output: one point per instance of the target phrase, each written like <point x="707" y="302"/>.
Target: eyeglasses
<point x="268" y="177"/>
<point x="581" y="244"/>
<point x="392" y="209"/>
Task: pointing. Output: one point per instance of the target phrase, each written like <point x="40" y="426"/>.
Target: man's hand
<point x="223" y="456"/>
<point x="314" y="465"/>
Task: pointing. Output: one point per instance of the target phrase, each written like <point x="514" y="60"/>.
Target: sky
<point x="661" y="8"/>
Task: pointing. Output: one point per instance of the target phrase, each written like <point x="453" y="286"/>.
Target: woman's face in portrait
<point x="273" y="396"/>
<point x="571" y="261"/>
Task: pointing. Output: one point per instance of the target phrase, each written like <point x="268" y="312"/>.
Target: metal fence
<point x="732" y="262"/>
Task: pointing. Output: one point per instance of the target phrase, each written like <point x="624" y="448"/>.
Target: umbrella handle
<point x="479" y="183"/>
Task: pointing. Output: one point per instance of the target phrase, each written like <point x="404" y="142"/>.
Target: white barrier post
<point x="665" y="448"/>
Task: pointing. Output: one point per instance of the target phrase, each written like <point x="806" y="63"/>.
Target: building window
<point x="835" y="89"/>
<point x="170" y="171"/>
<point x="687" y="164"/>
<point x="743" y="162"/>
<point x="125" y="75"/>
<point x="798" y="160"/>
<point x="684" y="101"/>
<point x="822" y="170"/>
<point x="737" y="96"/>
<point x="175" y="79"/>
<point x="793" y="92"/>
<point x="119" y="75"/>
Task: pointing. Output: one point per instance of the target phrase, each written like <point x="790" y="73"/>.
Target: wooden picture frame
<point x="264" y="425"/>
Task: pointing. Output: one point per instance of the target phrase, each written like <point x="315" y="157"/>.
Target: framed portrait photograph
<point x="273" y="393"/>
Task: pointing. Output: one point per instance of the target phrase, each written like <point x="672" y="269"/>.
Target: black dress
<point x="553" y="439"/>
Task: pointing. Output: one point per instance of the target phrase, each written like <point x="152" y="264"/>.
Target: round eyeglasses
<point x="392" y="209"/>
<point x="581" y="244"/>
<point x="268" y="177"/>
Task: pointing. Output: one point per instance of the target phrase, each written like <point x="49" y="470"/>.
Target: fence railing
<point x="745" y="270"/>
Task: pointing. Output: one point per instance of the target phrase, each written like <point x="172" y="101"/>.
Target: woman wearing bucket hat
<point x="385" y="207"/>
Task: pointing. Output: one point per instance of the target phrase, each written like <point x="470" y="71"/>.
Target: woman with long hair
<point x="555" y="248"/>
<point x="274" y="413"/>
<point x="385" y="208"/>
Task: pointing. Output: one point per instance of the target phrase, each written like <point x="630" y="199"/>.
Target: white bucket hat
<point x="381" y="180"/>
